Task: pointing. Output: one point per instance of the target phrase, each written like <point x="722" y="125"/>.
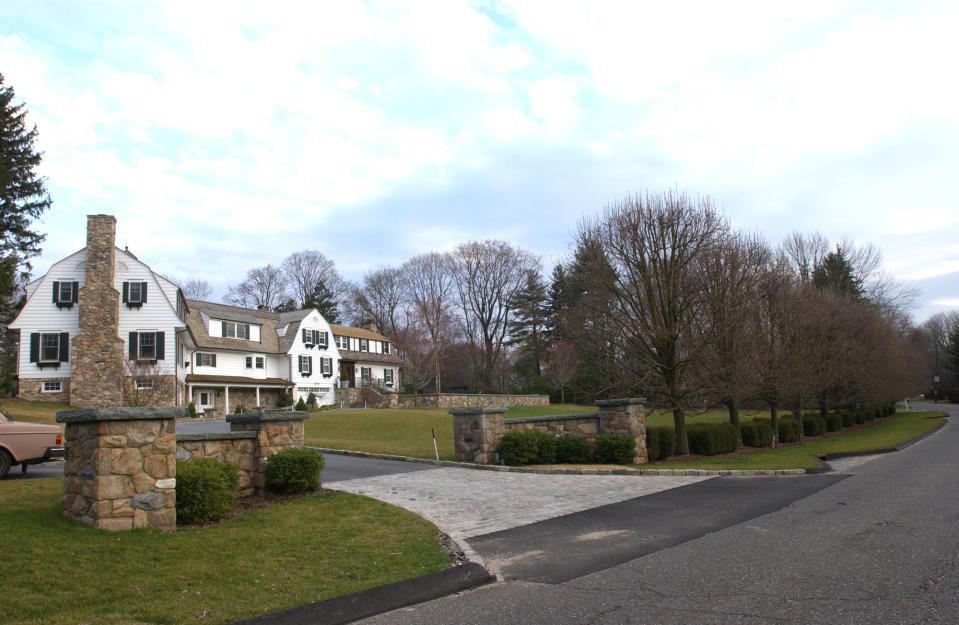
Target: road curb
<point x="560" y="471"/>
<point x="365" y="603"/>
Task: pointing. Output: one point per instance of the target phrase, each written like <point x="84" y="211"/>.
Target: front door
<point x="348" y="372"/>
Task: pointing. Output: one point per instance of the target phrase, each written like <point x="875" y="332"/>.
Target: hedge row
<point x="522" y="447"/>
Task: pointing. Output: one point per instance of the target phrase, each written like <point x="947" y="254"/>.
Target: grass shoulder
<point x="282" y="556"/>
<point x="880" y="435"/>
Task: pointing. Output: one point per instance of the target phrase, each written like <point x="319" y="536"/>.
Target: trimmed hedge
<point x="660" y="442"/>
<point x="789" y="430"/>
<point x="848" y="418"/>
<point x="572" y="449"/>
<point x="294" y="470"/>
<point x="615" y="449"/>
<point x="519" y="447"/>
<point x="757" y="433"/>
<point x="709" y="439"/>
<point x="860" y="416"/>
<point x="813" y="425"/>
<point x="833" y="422"/>
<point x="206" y="490"/>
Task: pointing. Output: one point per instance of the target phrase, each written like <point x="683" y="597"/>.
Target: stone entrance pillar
<point x="477" y="432"/>
<point x="120" y="467"/>
<point x="626" y="416"/>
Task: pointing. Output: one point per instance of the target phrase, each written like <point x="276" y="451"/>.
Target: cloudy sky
<point x="226" y="135"/>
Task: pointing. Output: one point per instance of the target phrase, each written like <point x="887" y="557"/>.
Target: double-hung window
<point x="327" y="366"/>
<point x="233" y="330"/>
<point x="343" y="342"/>
<point x="147" y="345"/>
<point x="315" y="337"/>
<point x="254" y="362"/>
<point x="65" y="293"/>
<point x="205" y="360"/>
<point x="134" y="294"/>
<point x="366" y="373"/>
<point x="49" y="349"/>
<point x="388" y="376"/>
<point x="386" y="347"/>
<point x="306" y="365"/>
<point x="364" y="345"/>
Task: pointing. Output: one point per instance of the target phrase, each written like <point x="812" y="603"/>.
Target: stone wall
<point x="97" y="350"/>
<point x="236" y="447"/>
<point x="275" y="430"/>
<point x="467" y="400"/>
<point x="32" y="389"/>
<point x="477" y="431"/>
<point x="119" y="469"/>
<point x="365" y="398"/>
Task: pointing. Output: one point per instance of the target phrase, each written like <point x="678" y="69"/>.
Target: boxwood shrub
<point x="206" y="490"/>
<point x="660" y="442"/>
<point x="709" y="439"/>
<point x="860" y="416"/>
<point x="833" y="422"/>
<point x="615" y="449"/>
<point x="788" y="430"/>
<point x="813" y="425"/>
<point x="294" y="470"/>
<point x="572" y="449"/>
<point x="757" y="433"/>
<point x="520" y="447"/>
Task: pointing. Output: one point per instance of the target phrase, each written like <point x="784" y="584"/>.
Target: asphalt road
<point x="879" y="546"/>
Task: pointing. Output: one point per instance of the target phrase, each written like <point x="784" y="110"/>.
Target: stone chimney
<point x="97" y="350"/>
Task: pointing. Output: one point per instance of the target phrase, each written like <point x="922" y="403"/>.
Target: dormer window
<point x="364" y="345"/>
<point x="134" y="294"/>
<point x="65" y="294"/>
<point x="233" y="330"/>
<point x="315" y="337"/>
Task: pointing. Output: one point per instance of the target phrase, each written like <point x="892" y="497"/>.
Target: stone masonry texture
<point x="466" y="400"/>
<point x="32" y="389"/>
<point x="97" y="350"/>
<point x="119" y="469"/>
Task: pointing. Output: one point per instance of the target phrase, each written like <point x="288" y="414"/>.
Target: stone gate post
<point x="276" y="430"/>
<point x="477" y="432"/>
<point x="626" y="416"/>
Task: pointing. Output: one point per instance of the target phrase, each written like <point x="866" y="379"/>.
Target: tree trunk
<point x="797" y="414"/>
<point x="562" y="395"/>
<point x="774" y="418"/>
<point x="682" y="441"/>
<point x="734" y="419"/>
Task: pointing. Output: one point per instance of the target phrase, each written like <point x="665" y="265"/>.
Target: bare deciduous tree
<point x="147" y="383"/>
<point x="804" y="252"/>
<point x="263" y="286"/>
<point x="654" y="243"/>
<point x="429" y="283"/>
<point x="380" y="298"/>
<point x="561" y="366"/>
<point x="415" y="348"/>
<point x="489" y="274"/>
<point x="305" y="269"/>
<point x="196" y="289"/>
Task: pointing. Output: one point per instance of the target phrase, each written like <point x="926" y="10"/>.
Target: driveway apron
<point x="468" y="502"/>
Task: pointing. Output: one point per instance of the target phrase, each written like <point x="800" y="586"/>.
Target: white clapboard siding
<point x="278" y="366"/>
<point x="156" y="315"/>
<point x="41" y="315"/>
<point x="314" y="321"/>
<point x="169" y="289"/>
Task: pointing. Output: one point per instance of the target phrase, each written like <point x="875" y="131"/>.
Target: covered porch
<point x="219" y="395"/>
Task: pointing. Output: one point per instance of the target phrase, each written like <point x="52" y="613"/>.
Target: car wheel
<point x="5" y="462"/>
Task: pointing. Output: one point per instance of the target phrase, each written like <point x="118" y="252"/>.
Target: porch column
<point x="258" y="396"/>
<point x="190" y="392"/>
<point x="226" y="400"/>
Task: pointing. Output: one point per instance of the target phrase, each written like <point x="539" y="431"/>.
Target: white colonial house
<point x="102" y="329"/>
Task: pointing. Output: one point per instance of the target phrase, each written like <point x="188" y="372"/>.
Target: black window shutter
<point x="35" y="346"/>
<point x="133" y="338"/>
<point x="76" y="292"/>
<point x="223" y="329"/>
<point x="56" y="292"/>
<point x="160" y="345"/>
<point x="64" y="347"/>
<point x="309" y="364"/>
<point x="143" y="292"/>
<point x="126" y="292"/>
<point x="212" y="360"/>
<point x="306" y="336"/>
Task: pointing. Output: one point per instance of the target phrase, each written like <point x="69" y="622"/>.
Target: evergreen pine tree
<point x="23" y="198"/>
<point x="322" y="299"/>
<point x="528" y="328"/>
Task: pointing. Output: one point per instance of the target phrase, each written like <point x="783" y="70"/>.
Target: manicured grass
<point x="402" y="432"/>
<point x="882" y="434"/>
<point x="32" y="411"/>
<point x="59" y="571"/>
<point x="663" y="417"/>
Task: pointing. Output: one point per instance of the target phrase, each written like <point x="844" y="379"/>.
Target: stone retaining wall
<point x="467" y="400"/>
<point x="120" y="465"/>
<point x="32" y="389"/>
<point x="477" y="431"/>
<point x="119" y="470"/>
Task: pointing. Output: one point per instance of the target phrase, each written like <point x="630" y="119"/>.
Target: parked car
<point x="28" y="443"/>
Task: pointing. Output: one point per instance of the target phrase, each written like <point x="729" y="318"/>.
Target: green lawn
<point x="403" y="432"/>
<point x="882" y="434"/>
<point x="59" y="571"/>
<point x="32" y="411"/>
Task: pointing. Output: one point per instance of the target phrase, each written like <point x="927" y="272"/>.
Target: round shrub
<point x="789" y="430"/>
<point x="848" y="418"/>
<point x="206" y="490"/>
<point x="294" y="470"/>
<point x="300" y="405"/>
<point x="813" y="425"/>
<point x="520" y="447"/>
<point x="572" y="449"/>
<point x="833" y="422"/>
<point x="757" y="433"/>
<point x="615" y="449"/>
<point x="660" y="442"/>
<point x="709" y="439"/>
<point x="860" y="416"/>
<point x="871" y="413"/>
